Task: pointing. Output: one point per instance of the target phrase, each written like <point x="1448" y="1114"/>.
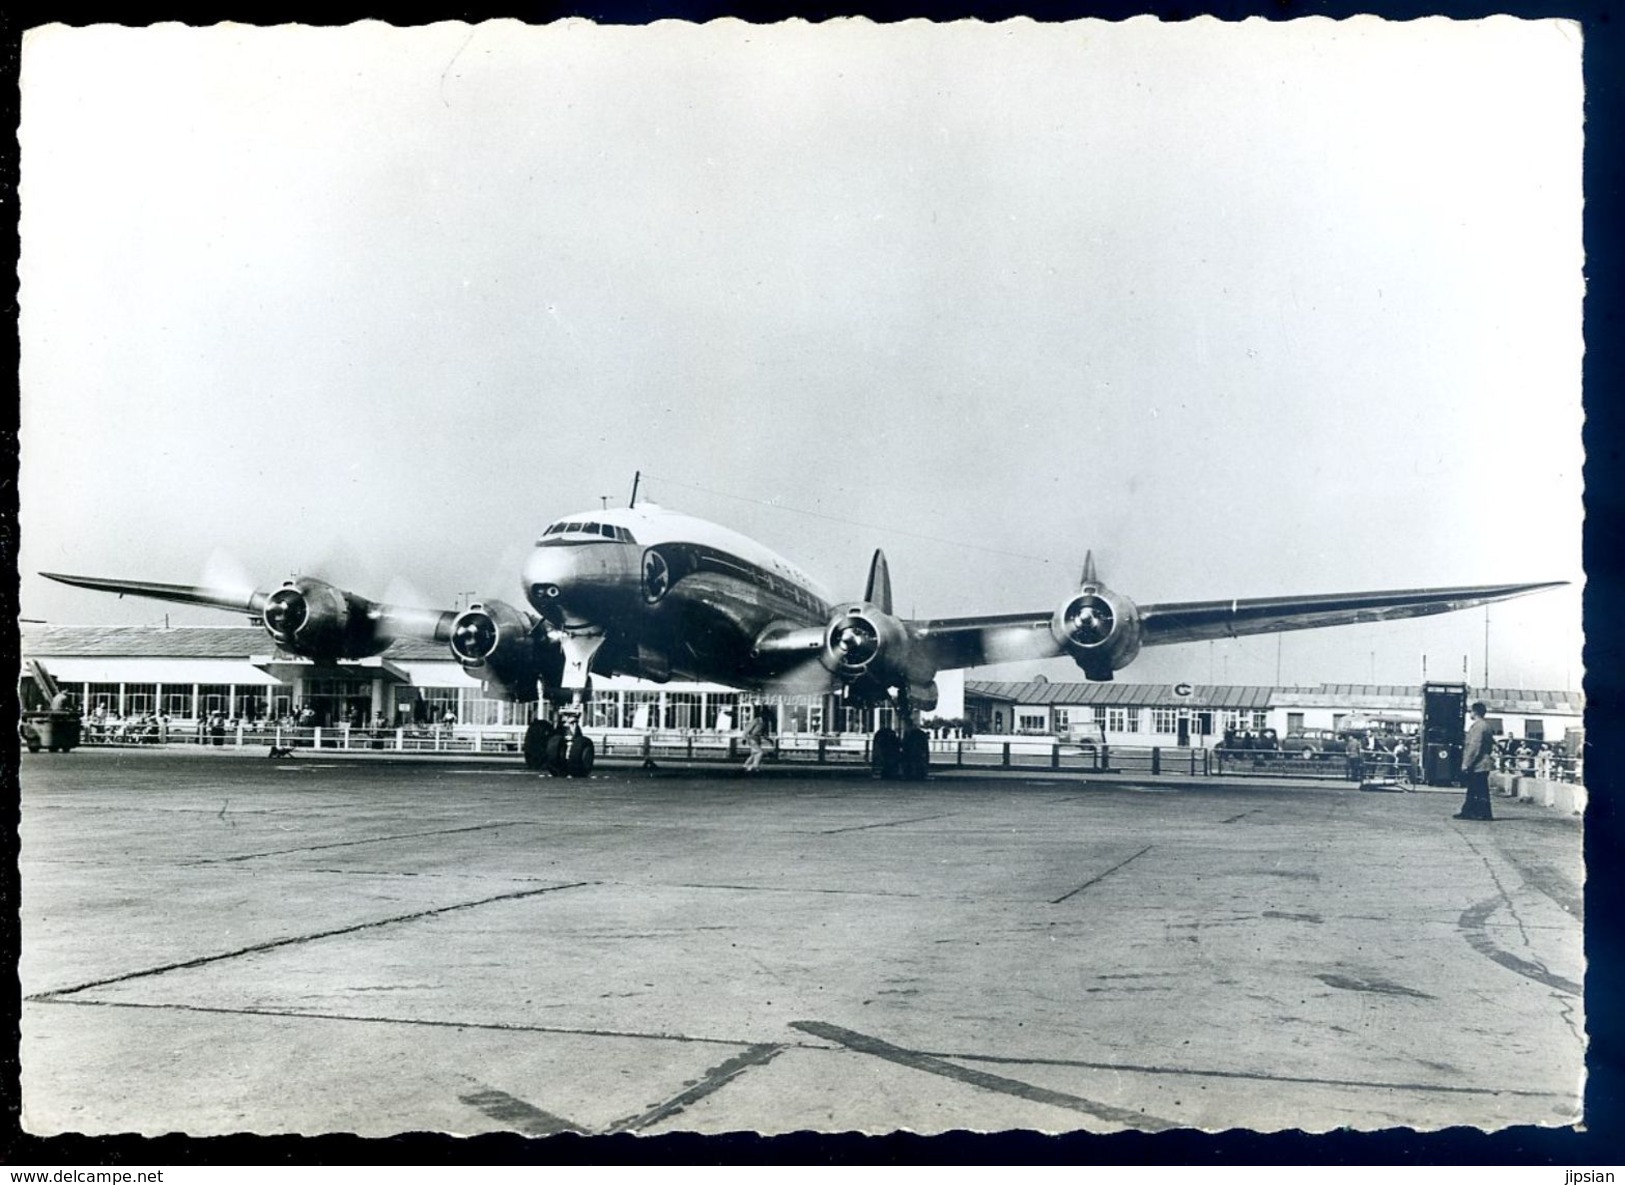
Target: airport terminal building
<point x="189" y="673"/>
<point x="1185" y="714"/>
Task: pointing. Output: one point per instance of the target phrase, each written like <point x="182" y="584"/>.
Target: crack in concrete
<point x="423" y="1022"/>
<point x="891" y="823"/>
<point x="353" y="843"/>
<point x="792" y="889"/>
<point x="1565" y="1009"/>
<point x="1551" y="884"/>
<point x="1102" y="876"/>
<point x="300" y="939"/>
<point x="709" y="1083"/>
<point x="1506" y="898"/>
<point x="913" y="1059"/>
<point x="381" y="873"/>
<point x="1471" y="925"/>
<point x="1251" y="1076"/>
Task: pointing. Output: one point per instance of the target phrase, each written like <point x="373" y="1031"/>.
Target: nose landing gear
<point x="562" y="749"/>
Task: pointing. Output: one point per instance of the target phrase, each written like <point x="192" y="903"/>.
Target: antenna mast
<point x="633" y="500"/>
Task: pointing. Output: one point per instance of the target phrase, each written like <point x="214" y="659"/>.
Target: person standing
<point x="756" y="741"/>
<point x="1476" y="761"/>
<point x="1356" y="758"/>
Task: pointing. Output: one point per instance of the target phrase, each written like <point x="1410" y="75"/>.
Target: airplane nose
<point x="579" y="585"/>
<point x="548" y="572"/>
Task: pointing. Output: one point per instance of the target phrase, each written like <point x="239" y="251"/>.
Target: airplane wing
<point x="347" y="624"/>
<point x="182" y="594"/>
<point x="977" y="641"/>
<point x="1196" y="621"/>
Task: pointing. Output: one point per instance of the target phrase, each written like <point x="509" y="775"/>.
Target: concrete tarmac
<point x="215" y="944"/>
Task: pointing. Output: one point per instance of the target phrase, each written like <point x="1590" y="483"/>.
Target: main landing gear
<point x="905" y="757"/>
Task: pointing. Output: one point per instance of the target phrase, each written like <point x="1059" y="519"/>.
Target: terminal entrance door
<point x="340" y="701"/>
<point x="1184" y="731"/>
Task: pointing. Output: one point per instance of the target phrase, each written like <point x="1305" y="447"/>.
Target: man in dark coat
<point x="1476" y="761"/>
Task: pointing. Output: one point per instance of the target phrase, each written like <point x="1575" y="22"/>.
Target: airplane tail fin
<point x="878" y="590"/>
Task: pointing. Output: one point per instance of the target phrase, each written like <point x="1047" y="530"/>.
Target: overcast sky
<point x="1248" y="309"/>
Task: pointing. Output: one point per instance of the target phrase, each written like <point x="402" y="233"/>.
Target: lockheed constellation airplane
<point x="649" y="592"/>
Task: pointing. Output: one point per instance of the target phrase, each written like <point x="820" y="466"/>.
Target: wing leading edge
<point x="980" y="641"/>
<point x="1196" y="621"/>
<point x="387" y="622"/>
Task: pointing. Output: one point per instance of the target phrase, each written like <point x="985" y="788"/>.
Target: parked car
<point x="1256" y="739"/>
<point x="1086" y="735"/>
<point x="1315" y="743"/>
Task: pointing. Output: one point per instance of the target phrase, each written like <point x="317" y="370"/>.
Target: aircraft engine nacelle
<point x="498" y="644"/>
<point x="1099" y="629"/>
<point x="862" y="641"/>
<point x="312" y="618"/>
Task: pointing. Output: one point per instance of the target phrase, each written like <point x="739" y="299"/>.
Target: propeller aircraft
<point x="656" y="594"/>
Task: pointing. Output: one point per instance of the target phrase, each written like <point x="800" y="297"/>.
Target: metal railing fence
<point x="979" y="752"/>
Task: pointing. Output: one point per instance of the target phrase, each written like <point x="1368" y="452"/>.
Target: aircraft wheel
<point x="536" y="738"/>
<point x="916" y="759"/>
<point x="558" y="755"/>
<point x="886" y="754"/>
<point x="579" y="762"/>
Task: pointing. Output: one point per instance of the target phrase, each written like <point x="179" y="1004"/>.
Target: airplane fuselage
<point x="673" y="596"/>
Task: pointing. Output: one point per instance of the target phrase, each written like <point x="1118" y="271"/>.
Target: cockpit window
<point x="594" y="530"/>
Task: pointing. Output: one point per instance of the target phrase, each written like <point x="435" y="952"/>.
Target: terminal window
<point x="140" y="698"/>
<point x="720" y="701"/>
<point x="639" y="709"/>
<point x="682" y="710"/>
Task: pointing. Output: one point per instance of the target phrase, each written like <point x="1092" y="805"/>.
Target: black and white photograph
<point x="804" y="577"/>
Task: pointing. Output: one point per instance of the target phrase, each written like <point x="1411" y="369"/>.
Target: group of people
<point x="1378" y="755"/>
<point x="1531" y="758"/>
